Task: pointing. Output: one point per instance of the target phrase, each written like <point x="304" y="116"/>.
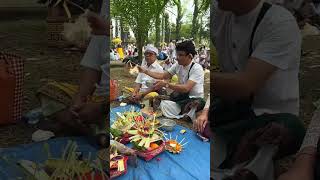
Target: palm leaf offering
<point x="173" y="145"/>
<point x="69" y="166"/>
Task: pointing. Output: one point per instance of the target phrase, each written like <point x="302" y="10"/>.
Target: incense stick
<point x="184" y="144"/>
<point x="181" y="141"/>
<point x="76" y="5"/>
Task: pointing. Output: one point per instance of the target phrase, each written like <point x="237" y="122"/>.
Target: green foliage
<point x="138" y="14"/>
<point x="186" y="30"/>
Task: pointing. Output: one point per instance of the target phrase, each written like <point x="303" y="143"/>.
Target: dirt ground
<point x="27" y="38"/>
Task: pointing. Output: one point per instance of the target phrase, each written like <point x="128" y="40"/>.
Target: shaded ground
<point x="28" y="38"/>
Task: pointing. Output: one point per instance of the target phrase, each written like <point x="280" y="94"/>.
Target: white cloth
<point x="166" y="67"/>
<point x="102" y="89"/>
<point x="313" y="133"/>
<point x="262" y="164"/>
<point x="207" y="105"/>
<point x="273" y="44"/>
<point x="143" y="78"/>
<point x="196" y="75"/>
<point x="41" y="135"/>
<point x="291" y="5"/>
<point x="172" y="110"/>
<point x="151" y="48"/>
<point x="96" y="54"/>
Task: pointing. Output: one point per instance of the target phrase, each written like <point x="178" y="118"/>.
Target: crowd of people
<point x="166" y="54"/>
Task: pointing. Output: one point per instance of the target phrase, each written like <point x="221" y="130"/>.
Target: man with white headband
<point x="143" y="81"/>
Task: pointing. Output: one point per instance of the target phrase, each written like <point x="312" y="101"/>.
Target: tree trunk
<point x="200" y="30"/>
<point x="163" y="28"/>
<point x="139" y="46"/>
<point x="167" y="28"/>
<point x="178" y="20"/>
<point x="116" y="28"/>
<point x="122" y="31"/>
<point x="158" y="28"/>
<point x="194" y="30"/>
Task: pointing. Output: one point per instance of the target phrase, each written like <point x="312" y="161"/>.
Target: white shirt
<point x="207" y="105"/>
<point x="277" y="41"/>
<point x="313" y="132"/>
<point x="143" y="78"/>
<point x="166" y="67"/>
<point x="96" y="54"/>
<point x="196" y="75"/>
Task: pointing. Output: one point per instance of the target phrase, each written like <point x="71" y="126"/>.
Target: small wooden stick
<point x="184" y="144"/>
<point x="181" y="141"/>
<point x="165" y="137"/>
<point x="76" y="5"/>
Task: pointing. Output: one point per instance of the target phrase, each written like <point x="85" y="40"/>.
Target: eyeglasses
<point x="181" y="54"/>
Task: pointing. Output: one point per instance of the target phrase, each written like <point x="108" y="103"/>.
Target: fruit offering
<point x="146" y="135"/>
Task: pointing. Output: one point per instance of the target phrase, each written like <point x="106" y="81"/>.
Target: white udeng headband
<point x="152" y="49"/>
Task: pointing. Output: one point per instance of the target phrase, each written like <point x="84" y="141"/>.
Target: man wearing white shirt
<point x="167" y="64"/>
<point x="259" y="59"/>
<point x="144" y="82"/>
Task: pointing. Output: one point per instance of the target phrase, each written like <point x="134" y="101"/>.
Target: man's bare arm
<point x="88" y="78"/>
<point x="155" y="75"/>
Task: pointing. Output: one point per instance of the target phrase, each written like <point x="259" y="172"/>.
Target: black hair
<point x="187" y="46"/>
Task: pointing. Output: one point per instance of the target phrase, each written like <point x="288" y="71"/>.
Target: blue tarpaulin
<point x="192" y="163"/>
<point x="35" y="152"/>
